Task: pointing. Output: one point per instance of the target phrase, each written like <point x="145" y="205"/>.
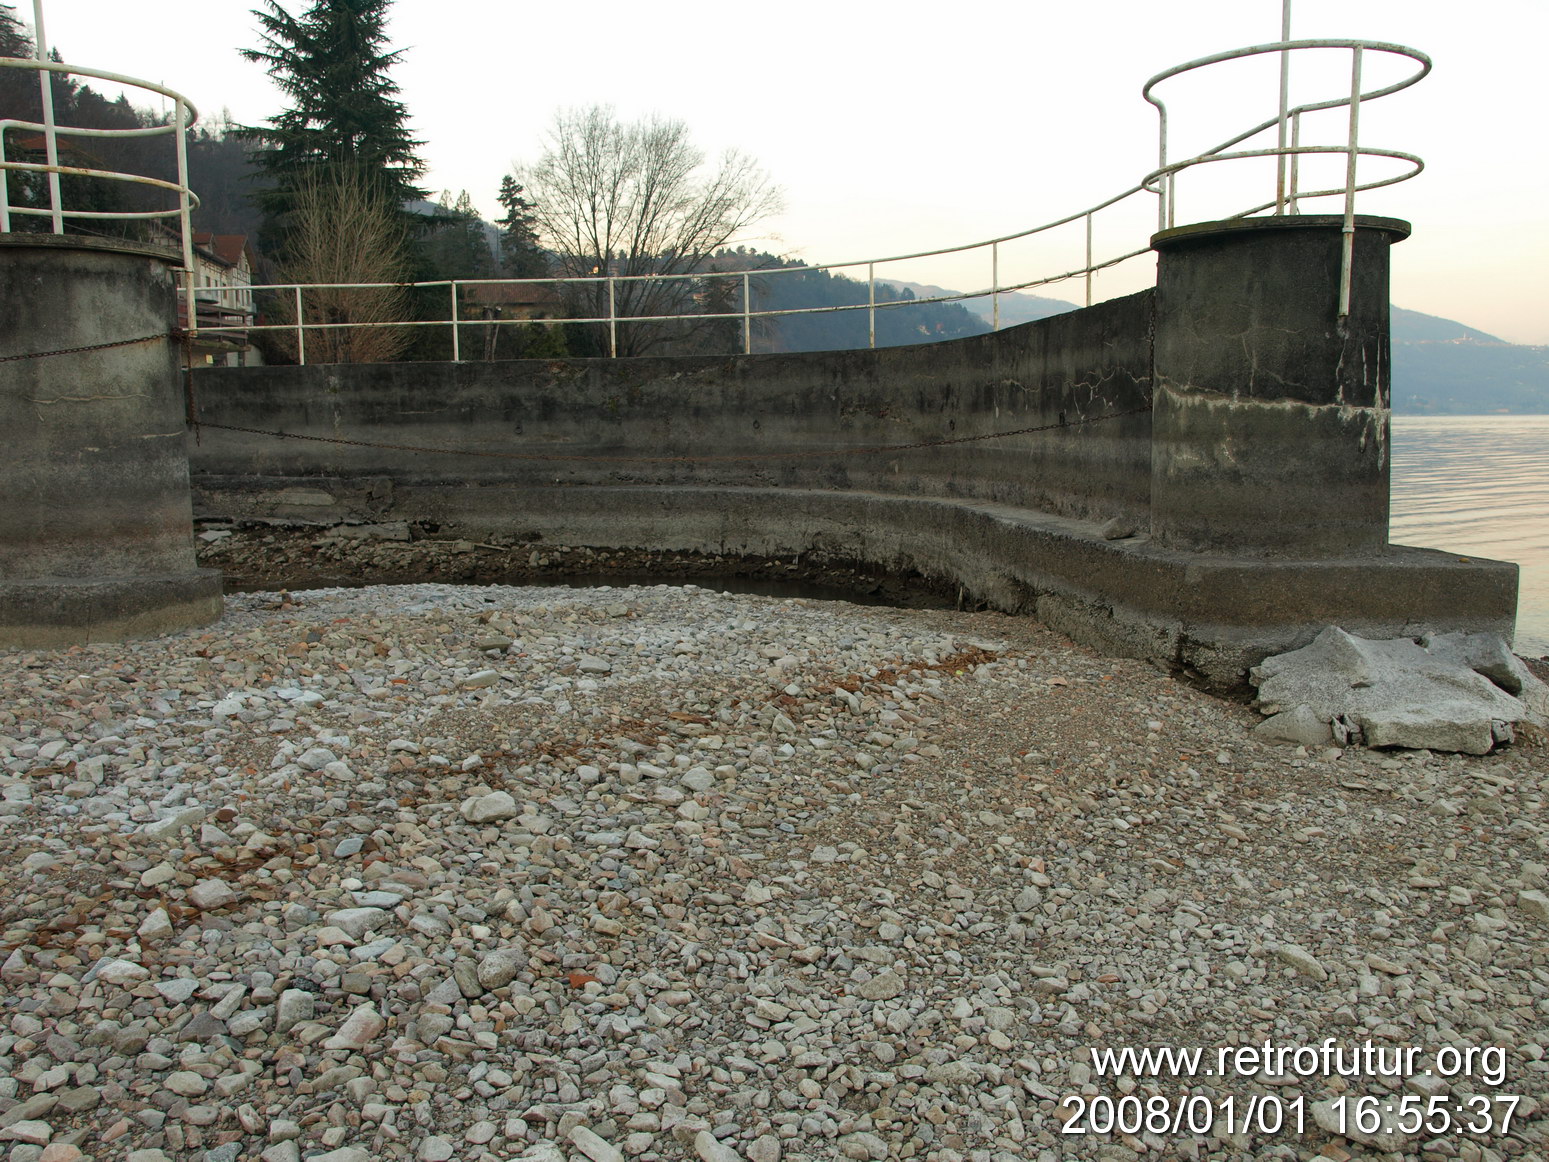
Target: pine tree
<point x="14" y="40"/>
<point x="521" y="256"/>
<point x="344" y="112"/>
<point x="457" y="247"/>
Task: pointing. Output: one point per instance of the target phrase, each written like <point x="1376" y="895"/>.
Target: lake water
<point x="1479" y="486"/>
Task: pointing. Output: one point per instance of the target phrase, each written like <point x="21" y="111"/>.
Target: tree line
<point x="329" y="189"/>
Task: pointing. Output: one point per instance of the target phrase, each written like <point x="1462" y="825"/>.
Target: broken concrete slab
<point x="1395" y="692"/>
<point x="1483" y="653"/>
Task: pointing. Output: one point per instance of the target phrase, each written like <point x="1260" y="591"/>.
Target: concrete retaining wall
<point x="778" y="409"/>
<point x="1246" y="452"/>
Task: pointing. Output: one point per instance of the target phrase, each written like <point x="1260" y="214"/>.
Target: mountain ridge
<point x="1440" y="366"/>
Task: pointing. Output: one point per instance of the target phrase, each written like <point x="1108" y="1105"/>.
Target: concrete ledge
<point x="1215" y="615"/>
<point x="27" y="240"/>
<point x="55" y="612"/>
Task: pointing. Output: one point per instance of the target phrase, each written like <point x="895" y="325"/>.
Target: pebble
<point x="714" y="877"/>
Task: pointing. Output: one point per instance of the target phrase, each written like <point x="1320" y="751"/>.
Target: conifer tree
<point x="521" y="256"/>
<point x="14" y="40"/>
<point x="344" y="110"/>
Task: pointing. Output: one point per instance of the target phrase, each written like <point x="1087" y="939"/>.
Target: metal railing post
<point x="747" y="317"/>
<point x="1089" y="260"/>
<point x="185" y="209"/>
<point x="871" y="304"/>
<point x="995" y="286"/>
<point x="1285" y="101"/>
<point x="1347" y="256"/>
<point x="613" y="323"/>
<point x="5" y="189"/>
<point x="1296" y="161"/>
<point x="301" y="331"/>
<point x="457" y="351"/>
<point x="50" y="131"/>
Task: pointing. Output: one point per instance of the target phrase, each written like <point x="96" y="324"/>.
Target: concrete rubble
<point x="1446" y="692"/>
<point x="789" y="881"/>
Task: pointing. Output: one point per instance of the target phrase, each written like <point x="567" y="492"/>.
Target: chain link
<point x="87" y="347"/>
<point x="862" y="450"/>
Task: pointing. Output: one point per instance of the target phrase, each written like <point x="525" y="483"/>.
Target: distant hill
<point x="1015" y="307"/>
<point x="1413" y="327"/>
<point x="1441" y="367"/>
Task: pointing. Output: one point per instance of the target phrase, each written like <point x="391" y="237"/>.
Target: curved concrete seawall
<point x="1229" y="423"/>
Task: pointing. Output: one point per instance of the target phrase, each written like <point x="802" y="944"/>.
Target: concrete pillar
<point x="1270" y="423"/>
<point x="96" y="533"/>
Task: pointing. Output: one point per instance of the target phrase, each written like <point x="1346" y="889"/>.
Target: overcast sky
<point x="901" y="126"/>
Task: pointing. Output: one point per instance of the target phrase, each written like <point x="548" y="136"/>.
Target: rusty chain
<point x="87" y="347"/>
<point x="861" y="450"/>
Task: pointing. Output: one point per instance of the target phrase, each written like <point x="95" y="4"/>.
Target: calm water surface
<point x="1479" y="485"/>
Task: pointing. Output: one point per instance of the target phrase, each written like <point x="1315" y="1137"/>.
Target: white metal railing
<point x="184" y="115"/>
<point x="1161" y="182"/>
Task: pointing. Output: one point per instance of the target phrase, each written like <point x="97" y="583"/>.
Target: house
<point x="509" y="300"/>
<point x="223" y="297"/>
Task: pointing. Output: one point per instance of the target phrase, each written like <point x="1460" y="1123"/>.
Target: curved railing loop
<point x="184" y="116"/>
<point x="1160" y="181"/>
<point x="1167" y="210"/>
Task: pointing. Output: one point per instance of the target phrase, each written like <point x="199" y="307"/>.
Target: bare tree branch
<point x="347" y="229"/>
<point x="615" y="199"/>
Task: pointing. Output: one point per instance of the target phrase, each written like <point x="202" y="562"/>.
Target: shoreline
<point x="435" y="871"/>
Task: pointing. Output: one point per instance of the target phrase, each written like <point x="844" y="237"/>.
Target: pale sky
<point x="901" y="126"/>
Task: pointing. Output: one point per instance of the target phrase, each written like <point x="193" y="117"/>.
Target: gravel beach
<point x="440" y="872"/>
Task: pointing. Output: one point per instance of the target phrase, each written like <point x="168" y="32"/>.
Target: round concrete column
<point x="96" y="532"/>
<point x="1270" y="423"/>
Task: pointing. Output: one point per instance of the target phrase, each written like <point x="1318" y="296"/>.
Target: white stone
<point x="500" y="967"/>
<point x="712" y="1149"/>
<point x="179" y="990"/>
<point x="594" y="1147"/>
<point x="30" y="1131"/>
<point x="1301" y="960"/>
<point x="882" y="987"/>
<point x="186" y="1083"/>
<point x="207" y="895"/>
<point x="1535" y="904"/>
<point x="490" y="808"/>
<point x="316" y="758"/>
<point x="357" y="921"/>
<point x="123" y="973"/>
<point x="293" y="1007"/>
<point x="360" y="1028"/>
<point x="156" y="926"/>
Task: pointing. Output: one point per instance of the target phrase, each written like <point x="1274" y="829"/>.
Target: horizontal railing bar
<point x="1160" y="182"/>
<point x="81" y="171"/>
<point x="102" y="75"/>
<point x="1364" y="150"/>
<point x="10" y="123"/>
<point x="892" y="305"/>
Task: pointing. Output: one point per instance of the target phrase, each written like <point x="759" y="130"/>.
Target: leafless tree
<point x="617" y="199"/>
<point x="345" y="228"/>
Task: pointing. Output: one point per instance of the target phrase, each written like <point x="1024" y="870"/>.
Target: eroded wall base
<point x="55" y="612"/>
<point x="1211" y="615"/>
